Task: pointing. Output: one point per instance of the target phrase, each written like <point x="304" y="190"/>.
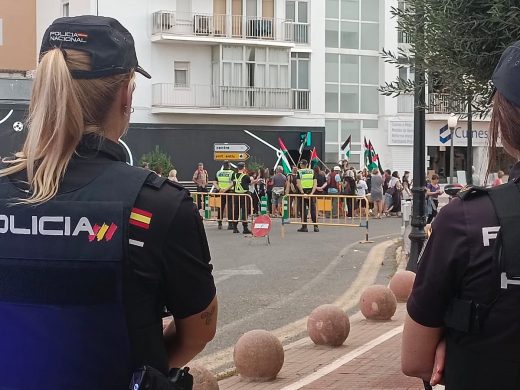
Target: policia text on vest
<point x="225" y="185"/>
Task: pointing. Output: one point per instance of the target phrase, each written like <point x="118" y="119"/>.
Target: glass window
<point x="1" y="32"/>
<point x="215" y="53"/>
<point x="370" y="10"/>
<point x="369" y="70"/>
<point x="259" y="76"/>
<point x="294" y="74"/>
<point x="332" y="9"/>
<point x="331" y="158"/>
<point x="303" y="74"/>
<point x="332" y="148"/>
<point x="233" y="53"/>
<point x="331" y="130"/>
<point x="331" y="33"/>
<point x="350" y="35"/>
<point x="349" y="99"/>
<point x="369" y="100"/>
<point x="331" y="98"/>
<point x="303" y="16"/>
<point x="369" y="36"/>
<point x="261" y="54"/>
<point x="181" y="75"/>
<point x="350" y="9"/>
<point x="284" y="77"/>
<point x="273" y="76"/>
<point x="370" y="124"/>
<point x="331" y="68"/>
<point x="290" y="10"/>
<point x="350" y="128"/>
<point x="349" y="69"/>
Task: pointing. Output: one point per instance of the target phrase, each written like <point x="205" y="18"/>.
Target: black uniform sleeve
<point x="189" y="283"/>
<point x="444" y="258"/>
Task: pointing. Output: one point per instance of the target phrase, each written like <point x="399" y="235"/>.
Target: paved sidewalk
<point x="370" y="358"/>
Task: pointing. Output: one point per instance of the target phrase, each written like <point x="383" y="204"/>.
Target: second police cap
<point x="506" y="77"/>
<point x="110" y="45"/>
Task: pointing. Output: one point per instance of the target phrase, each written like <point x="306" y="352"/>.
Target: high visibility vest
<point x="224" y="178"/>
<point x="238" y="183"/>
<point x="61" y="303"/>
<point x="306" y="178"/>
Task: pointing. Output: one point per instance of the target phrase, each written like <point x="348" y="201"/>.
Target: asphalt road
<point x="263" y="286"/>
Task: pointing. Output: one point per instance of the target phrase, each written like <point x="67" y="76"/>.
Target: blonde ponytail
<point x="62" y="110"/>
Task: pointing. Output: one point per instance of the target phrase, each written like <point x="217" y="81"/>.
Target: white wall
<point x="317" y="42"/>
<point x="46" y="12"/>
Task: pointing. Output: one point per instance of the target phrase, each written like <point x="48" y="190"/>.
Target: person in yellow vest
<point x="225" y="185"/>
<point x="306" y="183"/>
<point x="241" y="210"/>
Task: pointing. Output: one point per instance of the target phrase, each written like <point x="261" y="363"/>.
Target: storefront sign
<point x="438" y="134"/>
<point x="400" y="133"/>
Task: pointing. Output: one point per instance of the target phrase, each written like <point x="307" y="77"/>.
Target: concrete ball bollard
<point x="203" y="379"/>
<point x="401" y="285"/>
<point x="378" y="303"/>
<point x="258" y="356"/>
<point x="328" y="325"/>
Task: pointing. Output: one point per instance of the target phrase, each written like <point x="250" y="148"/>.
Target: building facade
<point x="276" y="68"/>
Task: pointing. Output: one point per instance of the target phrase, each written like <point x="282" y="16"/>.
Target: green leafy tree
<point x="157" y="161"/>
<point x="460" y="47"/>
<point x="253" y="164"/>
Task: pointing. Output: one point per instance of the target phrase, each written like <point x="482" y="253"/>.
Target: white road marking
<point x="246" y="270"/>
<point x="136" y="243"/>
<point x="344" y="359"/>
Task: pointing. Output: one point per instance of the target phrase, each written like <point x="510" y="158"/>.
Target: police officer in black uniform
<point x="92" y="249"/>
<point x="464" y="311"/>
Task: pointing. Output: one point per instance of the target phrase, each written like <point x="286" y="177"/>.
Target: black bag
<point x="148" y="378"/>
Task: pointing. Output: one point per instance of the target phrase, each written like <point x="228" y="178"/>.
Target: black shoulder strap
<point x="506" y="202"/>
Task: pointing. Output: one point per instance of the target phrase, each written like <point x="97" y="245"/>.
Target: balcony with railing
<point x="403" y="37"/>
<point x="443" y="103"/>
<point x="301" y="99"/>
<point x="216" y="99"/>
<point x="170" y="25"/>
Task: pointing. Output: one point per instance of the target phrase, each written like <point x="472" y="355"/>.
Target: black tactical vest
<point x="62" y="322"/>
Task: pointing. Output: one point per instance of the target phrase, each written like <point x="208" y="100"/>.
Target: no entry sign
<point x="262" y="226"/>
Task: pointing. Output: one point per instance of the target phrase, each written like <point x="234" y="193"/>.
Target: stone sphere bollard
<point x="378" y="303"/>
<point x="258" y="356"/>
<point x="328" y="325"/>
<point x="401" y="285"/>
<point x="203" y="379"/>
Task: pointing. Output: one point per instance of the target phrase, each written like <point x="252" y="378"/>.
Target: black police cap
<point x="241" y="164"/>
<point x="506" y="77"/>
<point x="110" y="45"/>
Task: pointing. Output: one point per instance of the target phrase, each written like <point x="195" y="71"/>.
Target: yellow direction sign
<point x="221" y="156"/>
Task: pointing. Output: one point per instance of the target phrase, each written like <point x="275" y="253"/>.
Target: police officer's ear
<point x="125" y="96"/>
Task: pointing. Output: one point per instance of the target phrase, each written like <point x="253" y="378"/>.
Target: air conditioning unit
<point x="202" y="25"/>
<point x="164" y="21"/>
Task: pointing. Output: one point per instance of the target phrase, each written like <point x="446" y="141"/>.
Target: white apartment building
<point x="277" y="68"/>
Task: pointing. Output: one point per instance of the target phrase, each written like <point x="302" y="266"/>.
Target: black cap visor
<point x="138" y="69"/>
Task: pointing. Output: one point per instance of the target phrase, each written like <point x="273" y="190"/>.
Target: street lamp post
<point x="452" y="125"/>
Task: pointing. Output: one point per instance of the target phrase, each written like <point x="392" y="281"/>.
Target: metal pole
<point x="469" y="158"/>
<point x="418" y="235"/>
<point x="451" y="155"/>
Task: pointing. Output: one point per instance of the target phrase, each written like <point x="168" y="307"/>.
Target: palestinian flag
<point x="314" y="158"/>
<point x="346" y="147"/>
<point x="367" y="153"/>
<point x="374" y="158"/>
<point x="283" y="160"/>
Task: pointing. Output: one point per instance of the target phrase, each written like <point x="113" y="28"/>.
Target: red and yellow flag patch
<point x="140" y="218"/>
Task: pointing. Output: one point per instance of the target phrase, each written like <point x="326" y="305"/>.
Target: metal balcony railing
<point x="403" y="37"/>
<point x="405" y="104"/>
<point x="297" y="32"/>
<point x="227" y="26"/>
<point x="301" y="99"/>
<point x="215" y="96"/>
<point x="442" y="103"/>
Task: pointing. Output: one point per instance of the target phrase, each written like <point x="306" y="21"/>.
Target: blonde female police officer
<point x="94" y="249"/>
<point x="465" y="304"/>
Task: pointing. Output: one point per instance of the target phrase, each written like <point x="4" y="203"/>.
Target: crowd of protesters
<point x="383" y="189"/>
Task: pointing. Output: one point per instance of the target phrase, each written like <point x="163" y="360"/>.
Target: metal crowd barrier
<point x="224" y="207"/>
<point x="331" y="210"/>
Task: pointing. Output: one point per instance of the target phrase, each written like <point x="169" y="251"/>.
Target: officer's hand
<point x="438" y="365"/>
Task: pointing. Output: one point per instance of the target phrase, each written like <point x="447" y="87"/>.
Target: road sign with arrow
<point x="231" y="156"/>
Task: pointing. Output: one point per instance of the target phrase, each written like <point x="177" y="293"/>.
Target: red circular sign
<point x="262" y="226"/>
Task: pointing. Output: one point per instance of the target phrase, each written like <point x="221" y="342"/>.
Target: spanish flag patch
<point x="140" y="218"/>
